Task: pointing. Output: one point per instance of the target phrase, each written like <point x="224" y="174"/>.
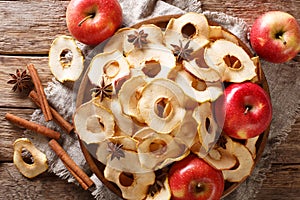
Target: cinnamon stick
<point x="79" y="180"/>
<point x="33" y="126"/>
<point x="57" y="117"/>
<point x="67" y="160"/>
<point x="40" y="91"/>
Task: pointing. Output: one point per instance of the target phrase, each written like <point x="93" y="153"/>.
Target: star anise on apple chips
<point x="103" y="90"/>
<point x="139" y="38"/>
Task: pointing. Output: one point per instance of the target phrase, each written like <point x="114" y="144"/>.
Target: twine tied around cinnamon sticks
<point x="40" y="99"/>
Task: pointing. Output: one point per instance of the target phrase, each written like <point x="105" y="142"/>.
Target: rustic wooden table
<point x="27" y="29"/>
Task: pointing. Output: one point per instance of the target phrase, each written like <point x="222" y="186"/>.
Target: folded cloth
<point x="63" y="98"/>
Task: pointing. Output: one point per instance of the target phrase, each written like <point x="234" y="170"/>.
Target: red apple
<point x="244" y="110"/>
<point x="275" y="36"/>
<point x="93" y="21"/>
<point x="193" y="179"/>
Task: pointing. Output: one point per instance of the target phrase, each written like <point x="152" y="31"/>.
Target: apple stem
<point x="246" y="110"/>
<point x="84" y="19"/>
<point x="282" y="39"/>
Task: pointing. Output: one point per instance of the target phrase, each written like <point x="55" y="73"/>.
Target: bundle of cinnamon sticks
<point x="40" y="99"/>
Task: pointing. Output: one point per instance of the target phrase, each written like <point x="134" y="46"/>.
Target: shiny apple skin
<point x="244" y="111"/>
<point x="107" y="19"/>
<point x="184" y="176"/>
<point x="264" y="36"/>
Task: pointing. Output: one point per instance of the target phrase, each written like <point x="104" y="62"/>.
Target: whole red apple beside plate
<point x="93" y="21"/>
<point x="275" y="36"/>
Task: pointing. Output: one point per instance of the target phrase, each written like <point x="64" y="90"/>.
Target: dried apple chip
<point x="132" y="185"/>
<point x="129" y="96"/>
<point x="199" y="90"/>
<point x="162" y="105"/>
<point x="189" y="27"/>
<point x="93" y="122"/>
<point x="157" y="150"/>
<point x="65" y="59"/>
<point x="207" y="126"/>
<point x="143" y="37"/>
<point x="39" y="164"/>
<point x="230" y="60"/>
<point x="156" y="61"/>
<point x="111" y="65"/>
<point x="245" y="161"/>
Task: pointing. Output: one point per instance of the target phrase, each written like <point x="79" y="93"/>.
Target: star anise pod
<point x="222" y="141"/>
<point x="103" y="90"/>
<point x="21" y="80"/>
<point x="138" y="38"/>
<point x="115" y="150"/>
<point x="183" y="52"/>
<point x="160" y="178"/>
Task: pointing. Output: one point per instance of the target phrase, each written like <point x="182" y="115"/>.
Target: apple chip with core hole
<point x="39" y="159"/>
<point x="129" y="95"/>
<point x="244" y="160"/>
<point x="198" y="90"/>
<point x="132" y="185"/>
<point x="155" y="62"/>
<point x="221" y="158"/>
<point x="189" y="27"/>
<point x="93" y="122"/>
<point x="111" y="65"/>
<point x="157" y="150"/>
<point x="207" y="126"/>
<point x="162" y="105"/>
<point x="65" y="59"/>
<point x="232" y="62"/>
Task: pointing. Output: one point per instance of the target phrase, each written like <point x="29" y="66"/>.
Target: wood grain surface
<point x="27" y="29"/>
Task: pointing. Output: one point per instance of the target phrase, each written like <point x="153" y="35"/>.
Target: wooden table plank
<point x="14" y="186"/>
<point x="10" y="132"/>
<point x="9" y="64"/>
<point x="30" y="26"/>
<point x="250" y="10"/>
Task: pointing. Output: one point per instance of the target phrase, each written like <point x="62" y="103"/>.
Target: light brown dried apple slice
<point x="230" y="60"/>
<point x="207" y="126"/>
<point x="162" y="105"/>
<point x="189" y="27"/>
<point x="199" y="90"/>
<point x="39" y="164"/>
<point x="132" y="185"/>
<point x="158" y="150"/>
<point x="245" y="162"/>
<point x="129" y="96"/>
<point x="93" y="122"/>
<point x="65" y="59"/>
<point x="111" y="65"/>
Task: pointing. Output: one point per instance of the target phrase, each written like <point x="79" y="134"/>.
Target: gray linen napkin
<point x="285" y="109"/>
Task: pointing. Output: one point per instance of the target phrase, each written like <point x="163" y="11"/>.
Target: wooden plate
<point x="82" y="97"/>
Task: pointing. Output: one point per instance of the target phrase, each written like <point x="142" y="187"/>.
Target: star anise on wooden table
<point x="21" y="80"/>
<point x="139" y="38"/>
<point x="183" y="52"/>
<point x="115" y="150"/>
<point x="102" y="90"/>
